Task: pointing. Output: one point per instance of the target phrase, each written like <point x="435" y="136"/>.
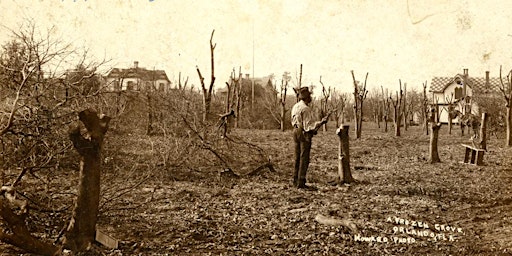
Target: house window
<point x="130" y="85"/>
<point x="458" y="93"/>
<point x="161" y="87"/>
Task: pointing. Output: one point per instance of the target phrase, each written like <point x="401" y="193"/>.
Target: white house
<point x="459" y="90"/>
<point x="137" y="78"/>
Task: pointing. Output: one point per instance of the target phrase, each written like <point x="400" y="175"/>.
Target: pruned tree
<point x="338" y="104"/>
<point x="376" y="104"/>
<point x="82" y="228"/>
<point x="452" y="113"/>
<point x="506" y="90"/>
<point x="231" y="100"/>
<point x="182" y="85"/>
<point x="397" y="106"/>
<point x="425" y="108"/>
<point x="299" y="81"/>
<point x="324" y="106"/>
<point x="386" y="107"/>
<point x="283" y="93"/>
<point x="405" y="109"/>
<point x="207" y="92"/>
<point x="360" y="93"/>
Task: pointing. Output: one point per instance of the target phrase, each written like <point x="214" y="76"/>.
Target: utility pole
<point x="252" y="91"/>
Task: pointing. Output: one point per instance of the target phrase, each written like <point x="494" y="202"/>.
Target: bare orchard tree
<point x="38" y="102"/>
<point x="405" y="108"/>
<point x="397" y="106"/>
<point x="506" y="90"/>
<point x="375" y="103"/>
<point x="425" y="108"/>
<point x="452" y="114"/>
<point x="207" y="92"/>
<point x="338" y="104"/>
<point x="233" y="86"/>
<point x="324" y="102"/>
<point x="299" y="81"/>
<point x="360" y="93"/>
<point x="386" y="107"/>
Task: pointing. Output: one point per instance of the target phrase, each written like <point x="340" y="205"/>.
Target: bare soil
<point x="400" y="204"/>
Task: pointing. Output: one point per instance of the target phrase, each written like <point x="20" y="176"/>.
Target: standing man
<point x="303" y="132"/>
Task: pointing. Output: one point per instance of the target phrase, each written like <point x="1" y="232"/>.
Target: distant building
<point x="137" y="78"/>
<point x="463" y="88"/>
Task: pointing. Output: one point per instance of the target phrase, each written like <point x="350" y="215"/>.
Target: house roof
<point x="141" y="73"/>
<point x="478" y="84"/>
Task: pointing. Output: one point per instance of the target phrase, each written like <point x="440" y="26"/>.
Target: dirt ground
<point x="400" y="204"/>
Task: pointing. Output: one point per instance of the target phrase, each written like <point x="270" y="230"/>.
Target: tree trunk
<point x="509" y="126"/>
<point x="82" y="227"/>
<point x="150" y="115"/>
<point x="344" y="156"/>
<point x="398" y="122"/>
<point x="483" y="131"/>
<point x="283" y="115"/>
<point x="450" y="123"/>
<point x="434" y="135"/>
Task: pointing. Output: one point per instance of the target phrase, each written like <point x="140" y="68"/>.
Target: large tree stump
<point x="344" y="172"/>
<point x="82" y="227"/>
<point x="434" y="136"/>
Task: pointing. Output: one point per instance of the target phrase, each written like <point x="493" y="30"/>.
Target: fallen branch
<point x="336" y="222"/>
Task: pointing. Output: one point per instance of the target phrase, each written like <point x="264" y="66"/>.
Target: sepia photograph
<point x="255" y="127"/>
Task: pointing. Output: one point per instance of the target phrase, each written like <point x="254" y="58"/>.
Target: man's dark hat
<point x="303" y="93"/>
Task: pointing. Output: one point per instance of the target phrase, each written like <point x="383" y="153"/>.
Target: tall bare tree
<point x="451" y="111"/>
<point x="506" y="90"/>
<point x="360" y="93"/>
<point x="324" y="106"/>
<point x="425" y="108"/>
<point x="386" y="107"/>
<point x="207" y="92"/>
<point x="397" y="106"/>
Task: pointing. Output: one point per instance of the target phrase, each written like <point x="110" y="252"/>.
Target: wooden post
<point x="344" y="155"/>
<point x="483" y="131"/>
<point x="434" y="135"/>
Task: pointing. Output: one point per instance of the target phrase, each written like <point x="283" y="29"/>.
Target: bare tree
<point x="506" y="90"/>
<point x="452" y="114"/>
<point x="39" y="100"/>
<point x="207" y="93"/>
<point x="324" y="106"/>
<point x="82" y="227"/>
<point x="360" y="93"/>
<point x="405" y="109"/>
<point x="425" y="108"/>
<point x="338" y="102"/>
<point x="386" y="107"/>
<point x="397" y="106"/>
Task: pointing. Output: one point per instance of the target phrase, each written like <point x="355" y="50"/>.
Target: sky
<point x="410" y="40"/>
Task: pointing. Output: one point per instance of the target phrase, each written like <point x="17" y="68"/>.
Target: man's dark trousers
<point x="302" y="148"/>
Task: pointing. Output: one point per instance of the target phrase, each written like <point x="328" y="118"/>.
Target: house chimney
<point x="136" y="64"/>
<point x="247" y="76"/>
<point x="465" y="72"/>
<point x="487" y="79"/>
